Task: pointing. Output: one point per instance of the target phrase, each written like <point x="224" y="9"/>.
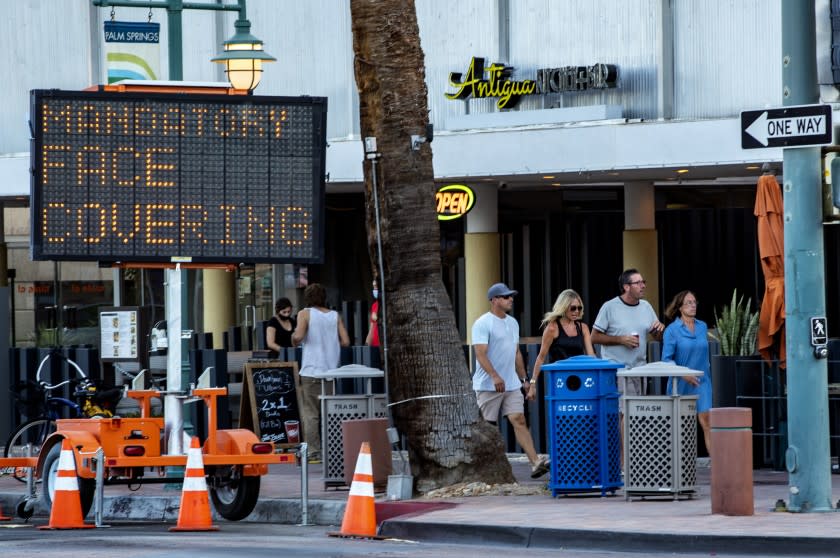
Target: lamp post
<point x="243" y="58"/>
<point x="243" y="55"/>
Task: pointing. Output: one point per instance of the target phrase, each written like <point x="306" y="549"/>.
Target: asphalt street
<point x="472" y="519"/>
<point x="258" y="540"/>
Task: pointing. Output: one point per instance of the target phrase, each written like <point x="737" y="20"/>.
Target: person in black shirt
<point x="278" y="333"/>
<point x="564" y="335"/>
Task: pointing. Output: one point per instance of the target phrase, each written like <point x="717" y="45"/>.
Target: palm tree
<point x="428" y="380"/>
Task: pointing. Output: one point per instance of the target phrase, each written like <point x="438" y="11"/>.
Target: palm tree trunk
<point x="429" y="384"/>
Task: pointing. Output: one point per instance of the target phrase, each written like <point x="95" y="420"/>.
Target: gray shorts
<point x="490" y="403"/>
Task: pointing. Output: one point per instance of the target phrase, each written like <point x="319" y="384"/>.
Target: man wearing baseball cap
<point x="500" y="371"/>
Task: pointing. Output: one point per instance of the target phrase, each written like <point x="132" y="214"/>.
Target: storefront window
<point x="72" y="317"/>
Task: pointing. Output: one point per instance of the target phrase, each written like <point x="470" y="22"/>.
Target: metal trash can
<point x="338" y="408"/>
<point x="660" y="437"/>
<point x="583" y="427"/>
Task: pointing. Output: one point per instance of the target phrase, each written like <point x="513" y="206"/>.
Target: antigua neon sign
<point x="498" y="82"/>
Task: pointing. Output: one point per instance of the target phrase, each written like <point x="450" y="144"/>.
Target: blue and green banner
<point x="132" y="50"/>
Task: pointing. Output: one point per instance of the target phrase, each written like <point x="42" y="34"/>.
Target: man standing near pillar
<point x="623" y="324"/>
<point x="500" y="371"/>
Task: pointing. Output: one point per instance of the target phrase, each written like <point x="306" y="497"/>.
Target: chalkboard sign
<point x="269" y="404"/>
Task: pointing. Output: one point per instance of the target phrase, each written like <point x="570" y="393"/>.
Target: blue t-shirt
<point x="691" y="350"/>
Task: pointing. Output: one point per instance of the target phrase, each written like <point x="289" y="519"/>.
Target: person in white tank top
<point x="321" y="343"/>
<point x="321" y="333"/>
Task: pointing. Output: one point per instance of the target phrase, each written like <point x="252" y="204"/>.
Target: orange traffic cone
<point x="66" y="511"/>
<point x="194" y="514"/>
<point x="360" y="513"/>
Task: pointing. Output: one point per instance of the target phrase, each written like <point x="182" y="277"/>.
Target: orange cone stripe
<point x="65" y="476"/>
<point x="194" y="459"/>
<point x="362" y="484"/>
<point x="194" y="480"/>
<point x="195" y="485"/>
<point x="67" y="483"/>
<point x="361" y="489"/>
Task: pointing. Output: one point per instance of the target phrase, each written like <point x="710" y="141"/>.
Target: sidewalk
<point x="612" y="523"/>
<point x="533" y="520"/>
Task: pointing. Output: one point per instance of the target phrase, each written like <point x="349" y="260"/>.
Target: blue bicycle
<point x="35" y="400"/>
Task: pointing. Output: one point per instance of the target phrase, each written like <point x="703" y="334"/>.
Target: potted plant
<point x="735" y="329"/>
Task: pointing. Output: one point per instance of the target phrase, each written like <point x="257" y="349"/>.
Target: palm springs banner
<point x="132" y="50"/>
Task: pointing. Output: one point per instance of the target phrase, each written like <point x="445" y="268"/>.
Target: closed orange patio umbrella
<point x="771" y="251"/>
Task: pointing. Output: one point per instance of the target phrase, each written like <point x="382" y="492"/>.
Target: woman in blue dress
<point x="686" y="343"/>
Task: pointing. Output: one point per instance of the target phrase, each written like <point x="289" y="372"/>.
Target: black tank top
<point x="564" y="346"/>
<point x="282" y="336"/>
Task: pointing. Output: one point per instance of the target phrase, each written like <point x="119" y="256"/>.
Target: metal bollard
<point x="99" y="494"/>
<point x="304" y="484"/>
<point x="732" y="478"/>
<point x="26" y="507"/>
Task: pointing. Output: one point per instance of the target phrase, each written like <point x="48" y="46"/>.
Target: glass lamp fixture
<point x="243" y="57"/>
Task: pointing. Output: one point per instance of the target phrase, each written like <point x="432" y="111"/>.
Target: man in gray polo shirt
<point x="623" y="324"/>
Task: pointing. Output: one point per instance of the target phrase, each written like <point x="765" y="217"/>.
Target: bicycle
<point x="26" y="440"/>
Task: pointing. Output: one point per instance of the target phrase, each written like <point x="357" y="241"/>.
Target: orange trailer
<point x="234" y="459"/>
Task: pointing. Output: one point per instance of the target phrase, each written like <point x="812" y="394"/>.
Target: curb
<point x="165" y="509"/>
<point x="537" y="537"/>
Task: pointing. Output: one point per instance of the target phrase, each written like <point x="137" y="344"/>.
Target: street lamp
<point x="243" y="57"/>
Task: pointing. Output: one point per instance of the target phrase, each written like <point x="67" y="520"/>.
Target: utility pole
<point x="807" y="459"/>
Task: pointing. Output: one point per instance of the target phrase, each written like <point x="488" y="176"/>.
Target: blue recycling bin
<point x="583" y="429"/>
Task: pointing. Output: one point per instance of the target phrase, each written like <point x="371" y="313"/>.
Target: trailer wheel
<point x="87" y="487"/>
<point x="234" y="496"/>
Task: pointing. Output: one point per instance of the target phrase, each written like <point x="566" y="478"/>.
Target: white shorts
<point x="490" y="403"/>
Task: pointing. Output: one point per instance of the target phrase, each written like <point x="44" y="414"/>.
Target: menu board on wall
<point x="119" y="333"/>
<point x="269" y="404"/>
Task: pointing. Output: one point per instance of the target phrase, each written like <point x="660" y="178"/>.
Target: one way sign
<point x="786" y="127"/>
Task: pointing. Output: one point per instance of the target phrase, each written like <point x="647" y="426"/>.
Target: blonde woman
<point x="564" y="335"/>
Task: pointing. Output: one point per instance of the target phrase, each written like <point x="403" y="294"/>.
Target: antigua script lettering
<point x="498" y="82"/>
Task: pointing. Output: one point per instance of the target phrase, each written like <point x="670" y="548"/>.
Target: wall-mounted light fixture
<point x="417" y="140"/>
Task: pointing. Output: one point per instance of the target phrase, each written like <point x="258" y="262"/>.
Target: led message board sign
<point x="137" y="177"/>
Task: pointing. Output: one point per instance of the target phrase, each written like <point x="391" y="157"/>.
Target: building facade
<point x="594" y="136"/>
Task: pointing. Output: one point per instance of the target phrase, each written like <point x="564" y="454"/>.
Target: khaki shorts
<point x="633" y="385"/>
<point x="490" y="403"/>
